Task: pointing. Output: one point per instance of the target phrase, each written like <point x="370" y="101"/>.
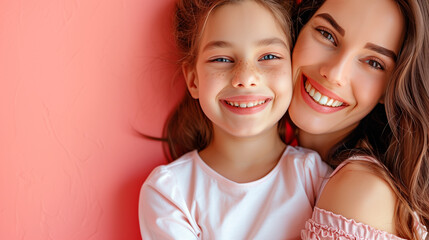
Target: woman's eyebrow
<point x="331" y="20"/>
<point x="381" y="50"/>
<point x="371" y="46"/>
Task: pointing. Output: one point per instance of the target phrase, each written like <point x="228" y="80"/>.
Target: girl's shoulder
<point x="298" y="152"/>
<point x="304" y="157"/>
<point x="181" y="165"/>
<point x="357" y="192"/>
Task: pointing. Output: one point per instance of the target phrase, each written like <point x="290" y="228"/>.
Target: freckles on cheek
<point x="215" y="76"/>
<point x="283" y="79"/>
<point x="219" y="75"/>
<point x="286" y="73"/>
<point x="217" y="79"/>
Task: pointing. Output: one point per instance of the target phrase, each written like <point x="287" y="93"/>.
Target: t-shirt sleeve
<point x="326" y="225"/>
<point x="162" y="209"/>
<point x="317" y="174"/>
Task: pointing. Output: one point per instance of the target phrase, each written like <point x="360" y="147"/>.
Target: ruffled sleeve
<point x="421" y="229"/>
<point x="328" y="225"/>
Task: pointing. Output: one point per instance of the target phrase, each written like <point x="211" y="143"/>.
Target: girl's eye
<point x="223" y="60"/>
<point x="268" y="57"/>
<point x="327" y="35"/>
<point x="374" y="64"/>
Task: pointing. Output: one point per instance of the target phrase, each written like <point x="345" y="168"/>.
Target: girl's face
<point x="341" y="64"/>
<point x="242" y="76"/>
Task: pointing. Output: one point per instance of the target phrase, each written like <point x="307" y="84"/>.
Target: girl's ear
<point x="191" y="79"/>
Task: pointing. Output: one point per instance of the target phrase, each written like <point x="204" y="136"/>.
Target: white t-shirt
<point x="186" y="199"/>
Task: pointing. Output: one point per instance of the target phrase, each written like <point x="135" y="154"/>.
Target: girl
<point x="237" y="178"/>
<point x="361" y="99"/>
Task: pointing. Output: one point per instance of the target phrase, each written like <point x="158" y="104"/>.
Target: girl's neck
<point x="243" y="159"/>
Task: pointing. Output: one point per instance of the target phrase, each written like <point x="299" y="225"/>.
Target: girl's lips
<point x="319" y="98"/>
<point x="245" y="104"/>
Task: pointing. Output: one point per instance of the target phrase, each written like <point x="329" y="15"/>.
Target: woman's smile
<point x="342" y="64"/>
<point x="320" y="98"/>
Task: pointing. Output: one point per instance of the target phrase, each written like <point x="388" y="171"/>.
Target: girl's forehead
<point x="241" y="19"/>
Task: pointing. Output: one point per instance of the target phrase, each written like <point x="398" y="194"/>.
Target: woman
<point x="361" y="99"/>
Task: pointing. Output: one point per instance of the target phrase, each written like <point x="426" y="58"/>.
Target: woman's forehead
<point x="378" y="22"/>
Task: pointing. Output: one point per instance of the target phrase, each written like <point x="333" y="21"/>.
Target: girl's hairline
<point x="209" y="12"/>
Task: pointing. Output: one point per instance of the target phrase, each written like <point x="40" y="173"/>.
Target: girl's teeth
<point x="246" y="105"/>
<point x="321" y="99"/>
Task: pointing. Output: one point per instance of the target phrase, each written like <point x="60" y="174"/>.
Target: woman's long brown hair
<point x="397" y="132"/>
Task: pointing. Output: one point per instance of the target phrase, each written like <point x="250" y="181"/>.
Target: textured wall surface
<point x="78" y="78"/>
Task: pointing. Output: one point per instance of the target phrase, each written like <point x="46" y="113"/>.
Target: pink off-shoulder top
<point x="327" y="225"/>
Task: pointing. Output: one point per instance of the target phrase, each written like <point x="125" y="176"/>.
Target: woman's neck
<point x="321" y="143"/>
<point x="243" y="159"/>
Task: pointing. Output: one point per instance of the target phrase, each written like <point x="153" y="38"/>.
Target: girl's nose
<point x="245" y="76"/>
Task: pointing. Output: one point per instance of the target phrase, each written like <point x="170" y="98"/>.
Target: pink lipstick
<point x="319" y="98"/>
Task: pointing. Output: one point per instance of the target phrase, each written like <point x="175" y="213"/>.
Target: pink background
<point x="78" y="78"/>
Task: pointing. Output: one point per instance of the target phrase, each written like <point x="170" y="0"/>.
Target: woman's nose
<point x="336" y="69"/>
<point x="245" y="75"/>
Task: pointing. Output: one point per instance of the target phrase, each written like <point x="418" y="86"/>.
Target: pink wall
<point x="76" y="77"/>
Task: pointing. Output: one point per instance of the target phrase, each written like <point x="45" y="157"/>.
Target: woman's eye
<point x="268" y="57"/>
<point x="327" y="35"/>
<point x="223" y="60"/>
<point x="374" y="64"/>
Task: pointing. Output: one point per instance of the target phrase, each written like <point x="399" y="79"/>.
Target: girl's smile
<point x="246" y="104"/>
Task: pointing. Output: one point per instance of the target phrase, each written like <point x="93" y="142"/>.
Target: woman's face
<point x="341" y="64"/>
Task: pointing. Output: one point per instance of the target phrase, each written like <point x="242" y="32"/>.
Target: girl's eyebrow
<point x="216" y="44"/>
<point x="271" y="41"/>
<point x="263" y="42"/>
<point x="331" y="20"/>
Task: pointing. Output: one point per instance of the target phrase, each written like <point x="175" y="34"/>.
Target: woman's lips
<point x="245" y="104"/>
<point x="319" y="98"/>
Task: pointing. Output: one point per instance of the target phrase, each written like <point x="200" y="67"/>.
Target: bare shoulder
<point x="357" y="192"/>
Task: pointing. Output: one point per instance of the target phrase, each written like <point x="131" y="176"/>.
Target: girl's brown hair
<point x="397" y="132"/>
<point x="188" y="128"/>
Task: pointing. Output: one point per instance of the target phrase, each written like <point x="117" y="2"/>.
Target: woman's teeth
<point x="246" y="104"/>
<point x="321" y="99"/>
